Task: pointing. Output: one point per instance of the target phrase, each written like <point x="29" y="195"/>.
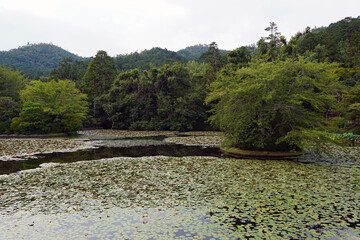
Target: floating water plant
<point x="10" y="148"/>
<point x="180" y="198"/>
<point x="196" y="140"/>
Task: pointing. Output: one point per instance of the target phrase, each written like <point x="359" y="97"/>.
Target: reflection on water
<point x="110" y="149"/>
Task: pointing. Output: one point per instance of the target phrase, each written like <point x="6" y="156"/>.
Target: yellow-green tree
<point x="273" y="105"/>
<point x="61" y="100"/>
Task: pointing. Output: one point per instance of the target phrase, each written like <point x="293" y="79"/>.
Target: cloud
<point x="124" y="26"/>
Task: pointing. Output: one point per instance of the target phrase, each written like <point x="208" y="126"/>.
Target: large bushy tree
<point x="273" y="106"/>
<point x="11" y="82"/>
<point x="32" y="120"/>
<point x="351" y="109"/>
<point x="60" y="100"/>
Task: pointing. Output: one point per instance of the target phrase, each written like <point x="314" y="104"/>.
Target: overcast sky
<point x="124" y="26"/>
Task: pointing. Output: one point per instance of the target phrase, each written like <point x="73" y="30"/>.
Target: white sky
<point x="124" y="26"/>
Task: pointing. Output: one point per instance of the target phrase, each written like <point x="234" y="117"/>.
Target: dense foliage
<point x="11" y="82"/>
<point x="193" y="53"/>
<point x="99" y="75"/>
<point x="70" y="70"/>
<point x="339" y="42"/>
<point x="167" y="98"/>
<point x="35" y="60"/>
<point x="273" y="106"/>
<point x="279" y="100"/>
<point x="54" y="106"/>
<point x="351" y="109"/>
<point x="146" y="59"/>
<point x="270" y="96"/>
<point x="8" y="110"/>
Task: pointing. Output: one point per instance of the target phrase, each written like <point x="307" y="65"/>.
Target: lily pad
<point x="180" y="198"/>
<point x="124" y="133"/>
<point x="13" y="149"/>
<point x="196" y="140"/>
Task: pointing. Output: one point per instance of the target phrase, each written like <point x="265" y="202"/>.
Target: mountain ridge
<point x="35" y="60"/>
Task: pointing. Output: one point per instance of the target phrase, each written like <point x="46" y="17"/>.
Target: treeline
<point x="39" y="60"/>
<point x="193" y="53"/>
<point x="290" y="95"/>
<point x="167" y="98"/>
<point x="339" y="42"/>
<point x="146" y="59"/>
<point x="277" y="95"/>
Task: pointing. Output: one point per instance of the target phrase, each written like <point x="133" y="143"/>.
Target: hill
<point x="143" y="60"/>
<point x="35" y="60"/>
<point x="193" y="53"/>
<point x="339" y="42"/>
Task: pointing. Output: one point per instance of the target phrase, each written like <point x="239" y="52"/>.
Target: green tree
<point x="11" y="82"/>
<point x="273" y="106"/>
<point x="197" y="72"/>
<point x="213" y="57"/>
<point x="32" y="120"/>
<point x="351" y="109"/>
<point x="214" y="62"/>
<point x="354" y="49"/>
<point x="99" y="76"/>
<point x="146" y="59"/>
<point x="240" y="57"/>
<point x="166" y="98"/>
<point x="70" y="70"/>
<point x="269" y="47"/>
<point x="60" y="99"/>
<point x="8" y="110"/>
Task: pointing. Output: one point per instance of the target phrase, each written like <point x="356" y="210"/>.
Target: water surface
<point x="132" y="193"/>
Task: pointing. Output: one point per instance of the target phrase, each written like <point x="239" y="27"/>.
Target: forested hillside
<point x="35" y="60"/>
<point x="154" y="57"/>
<point x="193" y="53"/>
<point x="339" y="42"/>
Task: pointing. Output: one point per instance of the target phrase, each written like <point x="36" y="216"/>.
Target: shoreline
<point x="21" y="136"/>
<point x="16" y="149"/>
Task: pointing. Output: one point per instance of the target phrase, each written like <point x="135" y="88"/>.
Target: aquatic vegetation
<point x="127" y="143"/>
<point x="209" y="140"/>
<point x="201" y="133"/>
<point x="180" y="198"/>
<point x="347" y="137"/>
<point x="11" y="149"/>
<point x="334" y="155"/>
<point x="124" y="133"/>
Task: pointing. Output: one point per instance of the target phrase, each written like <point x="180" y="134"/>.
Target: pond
<point x="148" y="188"/>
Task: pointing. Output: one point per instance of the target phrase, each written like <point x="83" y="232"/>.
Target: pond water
<point x="145" y="188"/>
<point x="109" y="148"/>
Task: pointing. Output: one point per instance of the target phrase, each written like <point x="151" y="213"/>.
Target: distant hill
<point x="339" y="42"/>
<point x="143" y="60"/>
<point x="193" y="53"/>
<point x="35" y="60"/>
